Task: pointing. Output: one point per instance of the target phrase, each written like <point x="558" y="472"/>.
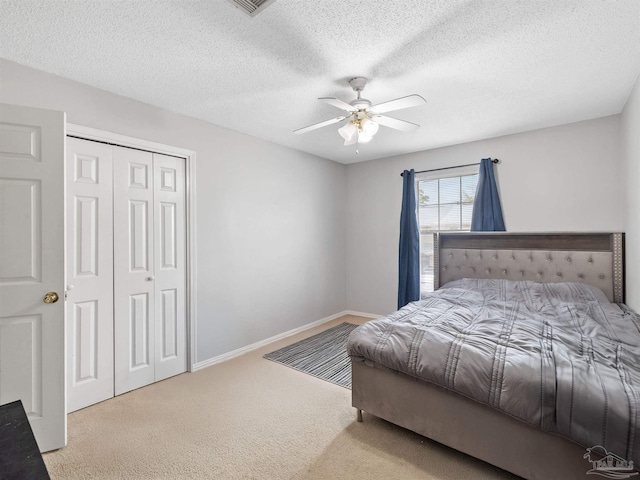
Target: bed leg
<point x="358" y="415"/>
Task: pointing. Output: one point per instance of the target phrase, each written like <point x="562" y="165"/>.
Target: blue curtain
<point x="409" y="279"/>
<point x="487" y="212"/>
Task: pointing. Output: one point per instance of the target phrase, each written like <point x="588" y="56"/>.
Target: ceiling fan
<point x="364" y="118"/>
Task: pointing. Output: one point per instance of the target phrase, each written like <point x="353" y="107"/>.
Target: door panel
<point x="170" y="257"/>
<point x="168" y="235"/>
<point x="169" y="323"/>
<point x="21" y="362"/>
<point x="32" y="333"/>
<point x="21" y="252"/>
<point x="139" y="332"/>
<point x="139" y="235"/>
<point x="86" y="255"/>
<point x="86" y="348"/>
<point x="134" y="288"/>
<point x="89" y="273"/>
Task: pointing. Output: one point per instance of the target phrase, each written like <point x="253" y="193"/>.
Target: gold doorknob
<point x="50" y="297"/>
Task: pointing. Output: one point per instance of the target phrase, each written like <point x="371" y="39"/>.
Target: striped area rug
<point x="323" y="355"/>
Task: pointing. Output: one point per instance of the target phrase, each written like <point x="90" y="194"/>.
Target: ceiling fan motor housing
<point x="358" y="83"/>
<point x="360" y="104"/>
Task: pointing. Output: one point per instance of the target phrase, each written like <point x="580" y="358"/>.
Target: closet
<point x="126" y="272"/>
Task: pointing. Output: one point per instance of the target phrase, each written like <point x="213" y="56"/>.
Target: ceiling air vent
<point x="252" y="7"/>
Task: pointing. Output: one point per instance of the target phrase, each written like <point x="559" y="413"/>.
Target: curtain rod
<point x="495" y="160"/>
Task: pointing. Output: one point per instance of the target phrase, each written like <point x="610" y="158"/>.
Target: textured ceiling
<point x="486" y="68"/>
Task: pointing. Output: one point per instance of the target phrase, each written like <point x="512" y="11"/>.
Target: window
<point x="445" y="203"/>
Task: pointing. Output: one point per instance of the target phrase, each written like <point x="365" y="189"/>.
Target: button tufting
<point x="580" y="276"/>
<point x="458" y="268"/>
<point x="451" y="255"/>
<point x="504" y="272"/>
<point x="530" y="258"/>
<point x="549" y="258"/>
<point x="539" y="274"/>
<point x="512" y="257"/>
<point x="495" y="257"/>
<point x="559" y="275"/>
<point x="473" y="269"/>
<point x="568" y="259"/>
<point x="444" y="268"/>
<point x="601" y="277"/>
<point x="590" y="260"/>
<point x="488" y="270"/>
<point x="522" y="272"/>
<point x="466" y="256"/>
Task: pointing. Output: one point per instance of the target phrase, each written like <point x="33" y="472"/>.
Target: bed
<point x="424" y="388"/>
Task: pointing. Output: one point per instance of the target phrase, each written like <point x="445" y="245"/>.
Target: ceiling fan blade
<point x="397" y="104"/>
<point x="395" y="123"/>
<point x="338" y="103"/>
<point x="320" y="125"/>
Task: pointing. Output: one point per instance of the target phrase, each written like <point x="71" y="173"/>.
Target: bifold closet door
<point x="126" y="270"/>
<point x="149" y="268"/>
<point x="89" y="304"/>
<point x="134" y="281"/>
<point x="170" y="261"/>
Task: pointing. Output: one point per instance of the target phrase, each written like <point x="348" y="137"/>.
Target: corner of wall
<point x="630" y="156"/>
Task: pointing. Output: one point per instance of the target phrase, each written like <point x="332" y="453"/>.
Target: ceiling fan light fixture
<point x="369" y="127"/>
<point x="364" y="138"/>
<point x="348" y="130"/>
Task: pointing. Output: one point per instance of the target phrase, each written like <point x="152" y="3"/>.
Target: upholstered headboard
<point x="596" y="259"/>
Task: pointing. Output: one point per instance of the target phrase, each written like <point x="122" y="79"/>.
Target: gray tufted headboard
<point x="596" y="259"/>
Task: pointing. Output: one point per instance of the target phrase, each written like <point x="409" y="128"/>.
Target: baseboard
<point x="361" y="314"/>
<point x="241" y="351"/>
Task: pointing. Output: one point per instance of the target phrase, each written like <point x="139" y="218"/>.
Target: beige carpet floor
<point x="249" y="418"/>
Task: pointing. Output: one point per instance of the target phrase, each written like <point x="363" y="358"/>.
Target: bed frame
<point x="593" y="258"/>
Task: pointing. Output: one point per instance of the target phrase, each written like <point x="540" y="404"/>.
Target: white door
<point x="170" y="272"/>
<point x="32" y="338"/>
<point x="134" y="283"/>
<point x="89" y="273"/>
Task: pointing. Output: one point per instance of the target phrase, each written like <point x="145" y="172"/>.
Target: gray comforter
<point x="558" y="356"/>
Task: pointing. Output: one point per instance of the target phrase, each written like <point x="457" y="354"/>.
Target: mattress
<point x="557" y="356"/>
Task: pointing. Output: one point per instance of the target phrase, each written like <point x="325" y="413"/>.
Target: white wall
<point x="630" y="154"/>
<point x="565" y="178"/>
<point x="271" y="222"/>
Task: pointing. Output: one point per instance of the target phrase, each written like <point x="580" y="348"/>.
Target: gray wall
<point x="271" y="221"/>
<point x="565" y="178"/>
<point x="630" y="153"/>
<point x="286" y="238"/>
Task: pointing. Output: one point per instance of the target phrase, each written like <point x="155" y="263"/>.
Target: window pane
<point x="445" y="204"/>
<point x="426" y="263"/>
<point x="466" y="216"/>
<point x="469" y="185"/>
<point x="450" y="217"/>
<point x="429" y="217"/>
<point x="428" y="192"/>
<point x="449" y="190"/>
